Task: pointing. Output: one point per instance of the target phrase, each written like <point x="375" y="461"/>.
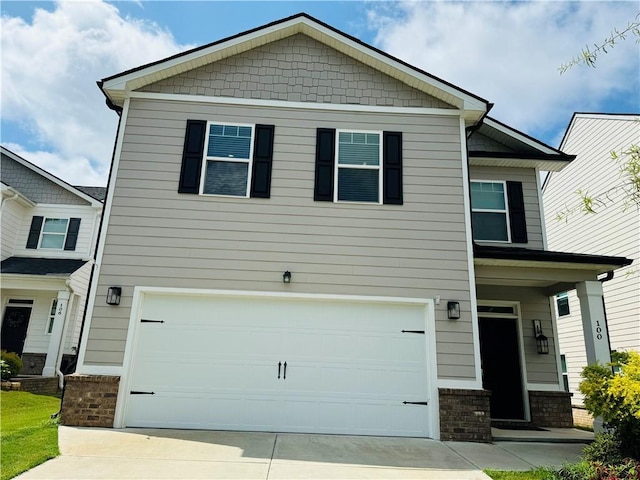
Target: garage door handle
<point x="284" y="377"/>
<point x="279" y="367"/>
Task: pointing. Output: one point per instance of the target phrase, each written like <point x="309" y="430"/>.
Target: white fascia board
<point x="593" y="268"/>
<point x="545" y="165"/>
<point x="50" y="177"/>
<point x="520" y="137"/>
<point x="18" y="281"/>
<point x="10" y="193"/>
<point x="122" y="86"/>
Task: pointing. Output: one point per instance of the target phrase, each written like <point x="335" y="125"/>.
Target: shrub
<point x="575" y="471"/>
<point x="604" y="449"/>
<point x="616" y="398"/>
<point x="5" y="371"/>
<point x="13" y="361"/>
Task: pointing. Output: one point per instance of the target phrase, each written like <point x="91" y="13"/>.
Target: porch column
<point x="596" y="335"/>
<point x="55" y="340"/>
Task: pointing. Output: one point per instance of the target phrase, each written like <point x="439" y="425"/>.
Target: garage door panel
<point x="213" y="363"/>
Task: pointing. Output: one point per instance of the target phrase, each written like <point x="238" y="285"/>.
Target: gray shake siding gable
<point x="296" y="69"/>
<point x="158" y="237"/>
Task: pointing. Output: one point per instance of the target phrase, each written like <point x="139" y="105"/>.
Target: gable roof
<point x="524" y="150"/>
<point x="117" y="87"/>
<point x="99" y="193"/>
<point x="52" y="178"/>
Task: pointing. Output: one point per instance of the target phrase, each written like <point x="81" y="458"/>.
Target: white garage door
<point x="275" y="364"/>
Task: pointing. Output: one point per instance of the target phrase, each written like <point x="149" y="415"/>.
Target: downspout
<point x="608" y="277"/>
<point x="58" y="363"/>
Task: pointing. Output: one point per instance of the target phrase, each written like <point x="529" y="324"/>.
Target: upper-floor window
<point x="490" y="213"/>
<point x="53" y="233"/>
<point x="562" y="302"/>
<point x="358" y="172"/>
<point x="228" y="155"/>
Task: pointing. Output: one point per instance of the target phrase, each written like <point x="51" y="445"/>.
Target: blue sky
<point x="507" y="52"/>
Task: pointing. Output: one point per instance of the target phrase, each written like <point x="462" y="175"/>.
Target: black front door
<point x="14" y="328"/>
<point x="501" y="367"/>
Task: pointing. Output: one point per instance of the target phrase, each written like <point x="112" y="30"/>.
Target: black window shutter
<point x="325" y="160"/>
<point x="262" y="160"/>
<point x="192" y="156"/>
<point x="392" y="168"/>
<point x="34" y="232"/>
<point x="72" y="234"/>
<point x="516" y="213"/>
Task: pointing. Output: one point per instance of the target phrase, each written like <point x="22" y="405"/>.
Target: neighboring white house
<point x="49" y="233"/>
<point x="613" y="230"/>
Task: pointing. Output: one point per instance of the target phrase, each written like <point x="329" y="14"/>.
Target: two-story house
<point x="49" y="232"/>
<point x="613" y="230"/>
<point x="305" y="234"/>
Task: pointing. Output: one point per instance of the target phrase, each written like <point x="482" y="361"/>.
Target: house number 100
<point x="598" y="330"/>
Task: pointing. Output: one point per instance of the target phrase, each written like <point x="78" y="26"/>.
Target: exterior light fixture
<point x="113" y="295"/>
<point x="286" y="277"/>
<point x="453" y="310"/>
<point x="542" y="342"/>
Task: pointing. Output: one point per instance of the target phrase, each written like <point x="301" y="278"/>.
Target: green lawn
<point x="28" y="435"/>
<point x="538" y="474"/>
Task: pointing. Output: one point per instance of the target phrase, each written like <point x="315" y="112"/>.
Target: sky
<point x="53" y="53"/>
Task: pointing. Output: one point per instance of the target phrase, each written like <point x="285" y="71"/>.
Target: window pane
<point x="358" y="148"/>
<point x="52" y="241"/>
<point x="226" y="178"/>
<point x="487" y="195"/>
<point x="489" y="226"/>
<point x="229" y="141"/>
<point x="55" y="225"/>
<point x="562" y="300"/>
<point x="358" y="185"/>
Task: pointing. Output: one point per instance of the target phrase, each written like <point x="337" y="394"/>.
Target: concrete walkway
<point x="92" y="453"/>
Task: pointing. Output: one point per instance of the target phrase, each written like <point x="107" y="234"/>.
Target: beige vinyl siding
<point x="157" y="237"/>
<point x="296" y="69"/>
<point x="86" y="234"/>
<point x="12" y="214"/>
<point x="614" y="230"/>
<point x="534" y="305"/>
<point x="530" y="192"/>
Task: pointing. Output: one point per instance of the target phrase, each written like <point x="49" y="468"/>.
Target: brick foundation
<point x="89" y="400"/>
<point x="551" y="409"/>
<point x="464" y="415"/>
<point x="37" y="385"/>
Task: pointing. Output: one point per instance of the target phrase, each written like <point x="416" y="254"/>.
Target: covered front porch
<point x="520" y="355"/>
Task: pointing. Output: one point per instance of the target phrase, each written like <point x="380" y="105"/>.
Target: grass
<point x="28" y="436"/>
<point x="538" y="474"/>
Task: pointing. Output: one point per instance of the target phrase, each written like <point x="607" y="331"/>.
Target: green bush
<point x="604" y="449"/>
<point x="616" y="398"/>
<point x="5" y="371"/>
<point x="575" y="471"/>
<point x="14" y="363"/>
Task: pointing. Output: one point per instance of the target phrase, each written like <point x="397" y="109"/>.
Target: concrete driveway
<point x="92" y="453"/>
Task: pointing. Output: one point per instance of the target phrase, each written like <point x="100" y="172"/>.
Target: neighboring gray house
<point x="614" y="230"/>
<point x="289" y="246"/>
<point x="49" y="232"/>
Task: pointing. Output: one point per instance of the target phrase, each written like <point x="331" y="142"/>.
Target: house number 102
<point x="598" y="330"/>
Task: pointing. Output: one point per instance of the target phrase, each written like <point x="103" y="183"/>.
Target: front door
<point x="501" y="372"/>
<point x="14" y="328"/>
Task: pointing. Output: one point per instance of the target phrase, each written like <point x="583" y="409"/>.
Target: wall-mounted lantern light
<point x="542" y="342"/>
<point x="286" y="277"/>
<point x="113" y="295"/>
<point x="453" y="310"/>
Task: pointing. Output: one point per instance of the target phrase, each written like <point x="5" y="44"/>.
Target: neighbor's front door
<point x="14" y="328"/>
<point x="501" y="373"/>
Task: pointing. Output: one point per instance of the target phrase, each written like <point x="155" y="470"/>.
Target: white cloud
<point x="49" y="69"/>
<point x="509" y="53"/>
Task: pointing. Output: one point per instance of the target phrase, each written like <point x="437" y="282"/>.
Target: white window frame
<point x="43" y="233"/>
<point x="492" y="210"/>
<point x="361" y="167"/>
<point x="206" y="158"/>
<point x="48" y="328"/>
<point x="558" y="297"/>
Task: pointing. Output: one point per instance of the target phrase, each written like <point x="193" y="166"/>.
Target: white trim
<point x="556" y="340"/>
<point x="541" y="209"/>
<point x="61" y="183"/>
<point x="466" y="185"/>
<point x="102" y="239"/>
<point x="544" y="387"/>
<point x="252" y="102"/>
<point x="43" y="233"/>
<point x="494" y="210"/>
<point x="139" y="294"/>
<point x="460" y="384"/>
<point x="378" y="167"/>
